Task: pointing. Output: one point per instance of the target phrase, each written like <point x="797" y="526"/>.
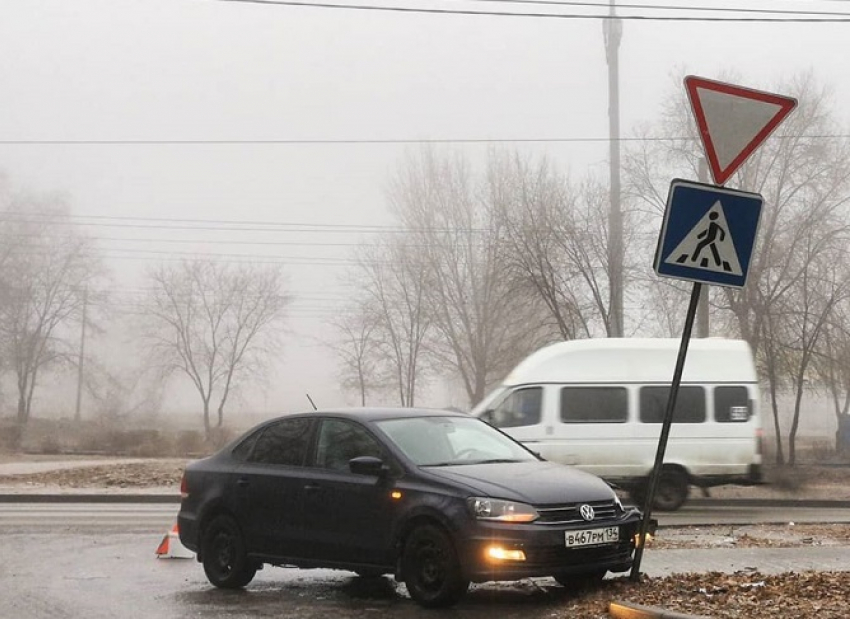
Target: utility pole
<point x="82" y="355"/>
<point x="702" y="307"/>
<point x="613" y="31"/>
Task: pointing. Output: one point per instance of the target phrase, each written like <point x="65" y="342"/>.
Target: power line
<point x="212" y="225"/>
<point x="795" y="18"/>
<point x="238" y="222"/>
<point x="666" y="7"/>
<point x="388" y="141"/>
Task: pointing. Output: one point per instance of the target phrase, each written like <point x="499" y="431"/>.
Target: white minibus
<point x="598" y="404"/>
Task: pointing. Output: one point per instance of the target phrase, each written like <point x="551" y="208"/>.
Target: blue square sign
<point x="708" y="234"/>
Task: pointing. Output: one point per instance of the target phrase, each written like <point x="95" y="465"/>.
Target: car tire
<point x="224" y="555"/>
<point x="580" y="582"/>
<point x="672" y="491"/>
<point x="431" y="569"/>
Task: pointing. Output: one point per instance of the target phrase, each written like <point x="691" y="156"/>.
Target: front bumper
<point x="546" y="553"/>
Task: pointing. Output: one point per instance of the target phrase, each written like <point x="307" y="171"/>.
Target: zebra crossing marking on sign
<point x="708" y="234"/>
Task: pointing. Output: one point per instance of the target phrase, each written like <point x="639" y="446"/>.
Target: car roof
<point x="376" y="413"/>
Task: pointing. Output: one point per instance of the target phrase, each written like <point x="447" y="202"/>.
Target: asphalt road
<point x="70" y="560"/>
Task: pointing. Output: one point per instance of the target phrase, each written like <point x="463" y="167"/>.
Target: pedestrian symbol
<point x="709" y="245"/>
<point x="708" y="234"/>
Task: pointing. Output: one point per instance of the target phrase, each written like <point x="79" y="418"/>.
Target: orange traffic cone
<point x="172" y="548"/>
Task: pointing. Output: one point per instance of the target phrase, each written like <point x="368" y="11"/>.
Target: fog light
<point x="499" y="553"/>
<point x="637" y="539"/>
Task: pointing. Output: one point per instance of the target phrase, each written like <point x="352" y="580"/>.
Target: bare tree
<point x="214" y="323"/>
<point x="556" y="234"/>
<point x="47" y="265"/>
<point x="393" y="282"/>
<point x="483" y="323"/>
<point x="823" y="285"/>
<point x="357" y="349"/>
<point x="833" y="367"/>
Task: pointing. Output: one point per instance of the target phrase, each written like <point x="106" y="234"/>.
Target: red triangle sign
<point x="733" y="121"/>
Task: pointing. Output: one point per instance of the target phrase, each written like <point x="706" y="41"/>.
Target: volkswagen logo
<point x="586" y="512"/>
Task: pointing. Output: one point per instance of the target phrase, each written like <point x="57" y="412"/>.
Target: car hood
<point x="535" y="482"/>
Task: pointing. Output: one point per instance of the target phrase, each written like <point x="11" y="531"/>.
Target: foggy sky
<point x="207" y="70"/>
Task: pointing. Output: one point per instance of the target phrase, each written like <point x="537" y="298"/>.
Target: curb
<point x="815" y="503"/>
<point x="627" y="610"/>
<point x="90" y="498"/>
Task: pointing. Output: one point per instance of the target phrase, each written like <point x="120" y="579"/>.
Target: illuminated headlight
<point x="502" y="511"/>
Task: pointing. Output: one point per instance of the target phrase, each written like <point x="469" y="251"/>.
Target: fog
<point x="281" y="126"/>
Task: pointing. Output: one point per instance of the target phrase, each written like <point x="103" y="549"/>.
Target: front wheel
<point x="224" y="556"/>
<point x="431" y="569"/>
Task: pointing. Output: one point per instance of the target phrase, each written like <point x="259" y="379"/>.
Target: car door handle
<point x="311" y="487"/>
<point x="242" y="482"/>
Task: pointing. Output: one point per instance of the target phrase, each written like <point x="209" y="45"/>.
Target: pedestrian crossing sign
<point x="708" y="234"/>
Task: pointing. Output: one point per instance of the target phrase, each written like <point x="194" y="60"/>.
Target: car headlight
<point x="502" y="511"/>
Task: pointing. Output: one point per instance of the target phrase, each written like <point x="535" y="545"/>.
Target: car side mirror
<point x="366" y="465"/>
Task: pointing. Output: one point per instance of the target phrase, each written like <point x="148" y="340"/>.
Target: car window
<point x="284" y="443"/>
<point x="243" y="449"/>
<point x="340" y="441"/>
<point x="440" y="441"/>
<point x="690" y="404"/>
<point x="594" y="404"/>
<point x="520" y="408"/>
<point x="731" y="404"/>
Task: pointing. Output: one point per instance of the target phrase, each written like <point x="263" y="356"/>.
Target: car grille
<point x="560" y="556"/>
<point x="569" y="513"/>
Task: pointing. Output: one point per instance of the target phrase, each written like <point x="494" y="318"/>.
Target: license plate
<point x="592" y="537"/>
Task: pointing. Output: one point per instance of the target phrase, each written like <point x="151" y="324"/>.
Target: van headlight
<point x="502" y="511"/>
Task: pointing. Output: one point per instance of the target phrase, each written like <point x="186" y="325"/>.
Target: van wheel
<point x="431" y="569"/>
<point x="672" y="490"/>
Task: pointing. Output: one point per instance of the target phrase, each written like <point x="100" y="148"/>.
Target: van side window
<point x="594" y="404"/>
<point x="520" y="408"/>
<point x="690" y="404"/>
<point x="731" y="404"/>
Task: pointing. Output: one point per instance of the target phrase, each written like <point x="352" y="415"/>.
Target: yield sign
<point x="733" y="121"/>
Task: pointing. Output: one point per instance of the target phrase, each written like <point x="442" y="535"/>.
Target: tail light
<point x="759" y="439"/>
<point x="184" y="487"/>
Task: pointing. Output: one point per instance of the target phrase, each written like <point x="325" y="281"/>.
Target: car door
<point x="270" y="487"/>
<point x="348" y="516"/>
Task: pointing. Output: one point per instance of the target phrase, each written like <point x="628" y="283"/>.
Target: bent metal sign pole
<point x="708" y="232"/>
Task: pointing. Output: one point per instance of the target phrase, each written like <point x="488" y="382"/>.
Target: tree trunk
<point x="207" y="420"/>
<point x="780" y="456"/>
<point x="792" y="435"/>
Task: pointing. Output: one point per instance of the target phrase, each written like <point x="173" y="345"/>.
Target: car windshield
<point x="445" y="441"/>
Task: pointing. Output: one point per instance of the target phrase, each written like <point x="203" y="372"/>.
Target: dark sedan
<point x="438" y="499"/>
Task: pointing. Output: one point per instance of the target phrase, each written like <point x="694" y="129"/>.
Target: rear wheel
<point x="580" y="582"/>
<point x="672" y="490"/>
<point x="224" y="556"/>
<point x="670" y="494"/>
<point x="431" y="569"/>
